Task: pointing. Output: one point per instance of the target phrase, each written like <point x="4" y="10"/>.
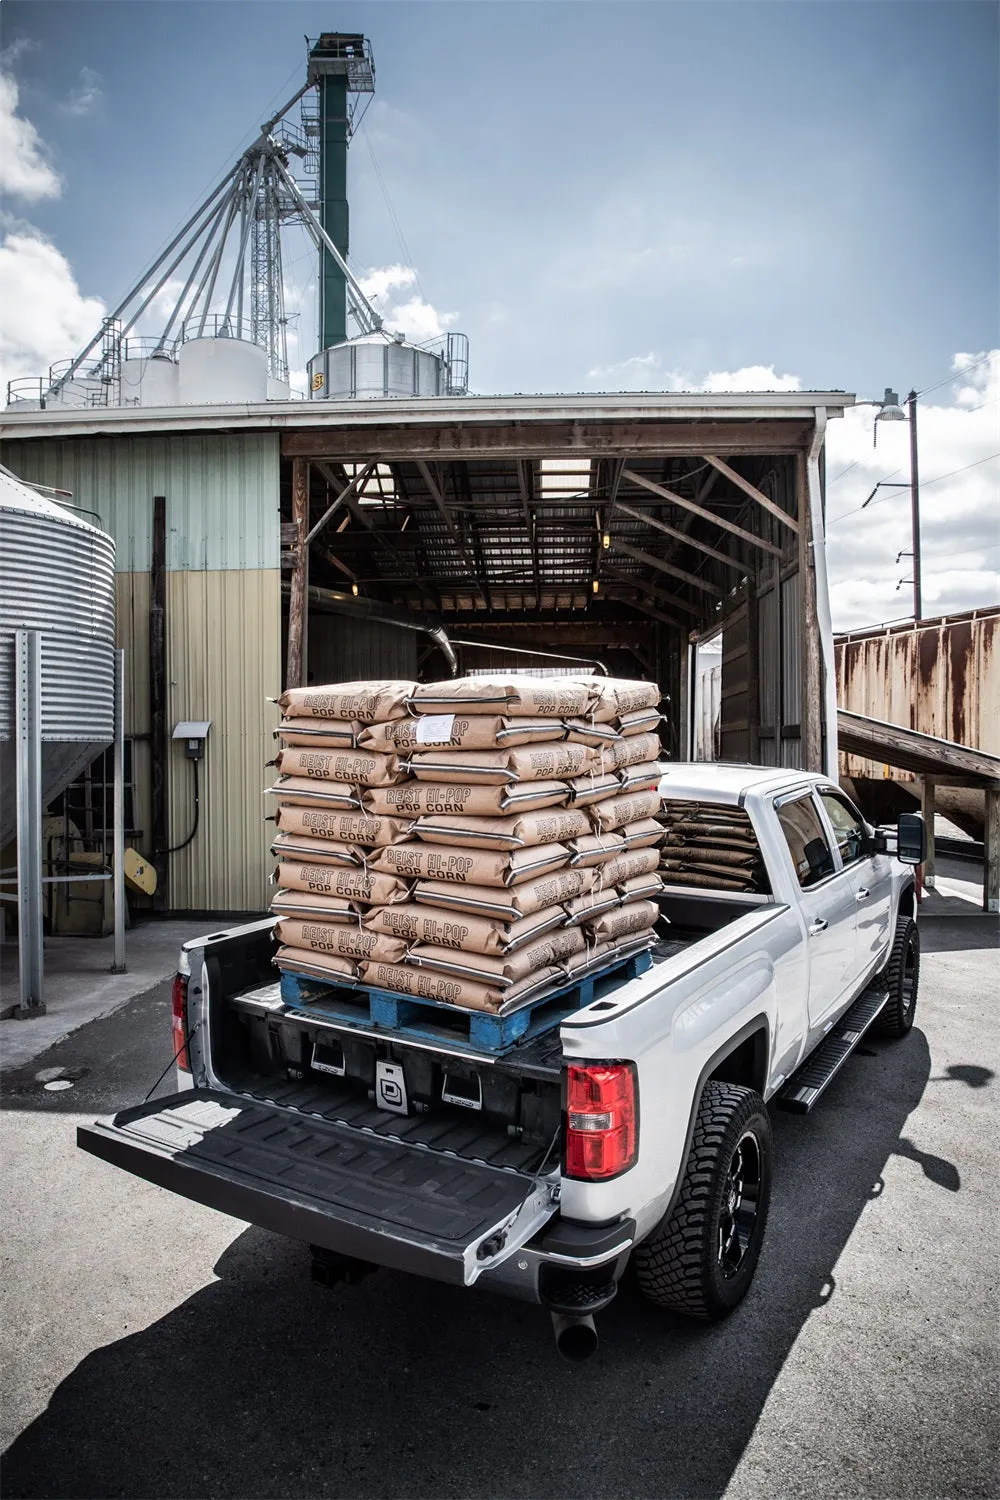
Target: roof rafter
<point x="699" y="510"/>
<point x="755" y="494"/>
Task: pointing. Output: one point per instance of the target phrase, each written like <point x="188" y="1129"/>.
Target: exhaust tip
<point x="576" y="1337"/>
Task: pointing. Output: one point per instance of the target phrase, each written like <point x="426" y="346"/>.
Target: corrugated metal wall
<point x="768" y="626"/>
<point x="790" y="751"/>
<point x="346" y="650"/>
<point x="223" y="663"/>
<point x="222" y="493"/>
<point x="942" y="678"/>
<point x="769" y="729"/>
<point x="223" y="631"/>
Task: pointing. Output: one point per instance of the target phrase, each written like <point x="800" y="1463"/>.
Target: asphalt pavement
<point x="155" y="1348"/>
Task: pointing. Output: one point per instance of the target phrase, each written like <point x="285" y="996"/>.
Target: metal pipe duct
<point x="371" y="609"/>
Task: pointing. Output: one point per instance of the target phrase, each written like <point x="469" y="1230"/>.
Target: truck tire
<point x="701" y="1257"/>
<point x="902" y="976"/>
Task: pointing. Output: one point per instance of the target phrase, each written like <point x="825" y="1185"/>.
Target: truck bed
<point x="505" y="1111"/>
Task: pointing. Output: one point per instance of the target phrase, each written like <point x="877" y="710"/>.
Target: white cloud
<point x="415" y="317"/>
<point x="959" y="439"/>
<point x="749" y="378"/>
<point x="378" y="283"/>
<point x="24" y="170"/>
<point x="46" y="317"/>
<point x="646" y="372"/>
<point x="86" y="96"/>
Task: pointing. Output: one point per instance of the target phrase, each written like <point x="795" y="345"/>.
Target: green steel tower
<point x="341" y="66"/>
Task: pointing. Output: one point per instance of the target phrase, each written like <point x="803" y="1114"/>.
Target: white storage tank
<point x="82" y="390"/>
<point x="58" y="577"/>
<point x="278" y="390"/>
<point x="150" y="380"/>
<point x="374" y="366"/>
<point x="214" y="371"/>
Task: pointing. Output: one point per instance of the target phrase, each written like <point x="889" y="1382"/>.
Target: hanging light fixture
<point x="889" y="408"/>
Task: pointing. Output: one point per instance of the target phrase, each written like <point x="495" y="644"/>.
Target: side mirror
<point x="911" y="839"/>
<point x="880" y="841"/>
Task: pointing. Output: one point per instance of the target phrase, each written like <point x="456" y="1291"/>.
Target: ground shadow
<point x="947" y="934"/>
<point x="110" y="1058"/>
<point x="263" y="1384"/>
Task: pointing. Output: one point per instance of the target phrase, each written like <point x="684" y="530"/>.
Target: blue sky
<point x="603" y="196"/>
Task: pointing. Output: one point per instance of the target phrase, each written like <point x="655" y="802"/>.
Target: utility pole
<point x="911" y="402"/>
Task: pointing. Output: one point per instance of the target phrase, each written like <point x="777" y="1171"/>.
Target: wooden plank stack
<point x="470" y="841"/>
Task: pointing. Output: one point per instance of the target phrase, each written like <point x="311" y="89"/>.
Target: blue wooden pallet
<point x="434" y="1021"/>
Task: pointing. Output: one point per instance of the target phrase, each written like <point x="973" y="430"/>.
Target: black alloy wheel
<point x="901" y="977"/>
<point x="739" y="1209"/>
<point x="701" y="1258"/>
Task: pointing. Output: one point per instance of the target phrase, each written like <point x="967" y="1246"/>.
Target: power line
<point x="397" y="226"/>
<point x="854" y="465"/>
<point x="956" y="375"/>
<point x="925" y="484"/>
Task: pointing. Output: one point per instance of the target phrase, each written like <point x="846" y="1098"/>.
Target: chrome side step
<point x="806" y="1085"/>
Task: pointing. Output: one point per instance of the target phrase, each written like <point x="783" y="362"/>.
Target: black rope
<point x="185" y="1043"/>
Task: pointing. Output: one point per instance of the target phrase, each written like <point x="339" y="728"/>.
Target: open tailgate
<point x="369" y="1196"/>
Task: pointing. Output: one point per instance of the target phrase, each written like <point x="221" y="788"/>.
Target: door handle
<point x="819" y="925"/>
<point x="862" y="894"/>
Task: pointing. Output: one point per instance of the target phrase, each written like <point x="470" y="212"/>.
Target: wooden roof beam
<point x="680" y="536"/>
<point x="755" y="494"/>
<point x="665" y="567"/>
<point x="434" y="490"/>
<point x="626" y="597"/>
<point x="698" y="510"/>
<point x="673" y="600"/>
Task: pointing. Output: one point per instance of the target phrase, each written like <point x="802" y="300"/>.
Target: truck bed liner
<point x="468" y="1136"/>
<point x="325" y="1183"/>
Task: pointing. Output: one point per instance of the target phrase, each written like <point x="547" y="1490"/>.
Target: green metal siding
<point x="222" y="493"/>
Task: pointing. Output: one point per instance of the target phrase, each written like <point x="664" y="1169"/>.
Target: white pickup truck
<point x="637" y="1128"/>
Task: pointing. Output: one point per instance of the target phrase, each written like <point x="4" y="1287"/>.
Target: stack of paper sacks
<point x="471" y="841"/>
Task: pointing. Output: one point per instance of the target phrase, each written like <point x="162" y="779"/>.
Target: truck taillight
<point x="178" y="1004"/>
<point x="602" y="1120"/>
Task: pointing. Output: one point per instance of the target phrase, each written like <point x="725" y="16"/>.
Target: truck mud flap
<point x="376" y="1198"/>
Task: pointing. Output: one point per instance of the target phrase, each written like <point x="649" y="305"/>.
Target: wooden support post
<point x="811" y="688"/>
<point x="158" y="831"/>
<point x="991" y="851"/>
<point x="298" y="600"/>
<point x="927" y="808"/>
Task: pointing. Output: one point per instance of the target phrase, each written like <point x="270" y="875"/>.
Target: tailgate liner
<point x="466" y="1135"/>
<point x="365" y="1195"/>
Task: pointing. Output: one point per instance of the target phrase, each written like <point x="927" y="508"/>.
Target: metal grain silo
<point x="57" y="576"/>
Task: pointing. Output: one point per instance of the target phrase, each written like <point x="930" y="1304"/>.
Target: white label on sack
<point x="435" y="729"/>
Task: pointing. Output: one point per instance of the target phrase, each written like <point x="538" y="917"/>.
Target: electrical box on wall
<point x="194" y="733"/>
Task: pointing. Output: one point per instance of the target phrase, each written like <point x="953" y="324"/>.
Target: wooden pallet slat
<point x="434" y="1021"/>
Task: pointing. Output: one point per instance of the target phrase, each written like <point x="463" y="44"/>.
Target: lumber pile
<point x="472" y="841"/>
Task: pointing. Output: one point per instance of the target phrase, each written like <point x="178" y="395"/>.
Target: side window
<point x="849" y="830"/>
<point x="807" y="843"/>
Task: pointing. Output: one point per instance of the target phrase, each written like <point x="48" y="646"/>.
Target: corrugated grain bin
<point x="58" y="578"/>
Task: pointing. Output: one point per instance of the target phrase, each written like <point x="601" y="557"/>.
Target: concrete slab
<point x="79" y="985"/>
<point x="957" y="890"/>
<point x="150" y="1346"/>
